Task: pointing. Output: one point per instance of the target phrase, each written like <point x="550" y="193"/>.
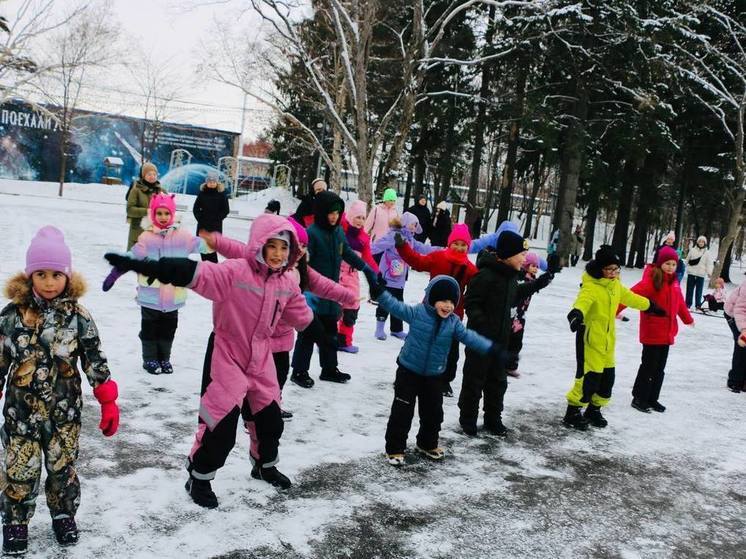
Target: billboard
<point x="30" y="147"/>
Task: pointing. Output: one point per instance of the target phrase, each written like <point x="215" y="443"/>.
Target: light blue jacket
<point x="491" y="240"/>
<point x="426" y="348"/>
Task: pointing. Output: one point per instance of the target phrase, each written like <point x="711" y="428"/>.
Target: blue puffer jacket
<point x="426" y="348"/>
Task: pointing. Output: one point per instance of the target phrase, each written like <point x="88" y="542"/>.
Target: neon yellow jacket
<point x="598" y="300"/>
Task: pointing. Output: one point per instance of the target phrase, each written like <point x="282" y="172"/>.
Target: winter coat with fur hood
<point x="155" y="243"/>
<point x="249" y="301"/>
<point x="210" y="209"/>
<point x="42" y="342"/>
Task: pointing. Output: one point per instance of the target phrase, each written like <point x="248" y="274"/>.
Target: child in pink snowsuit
<point x="359" y="241"/>
<point x="250" y="296"/>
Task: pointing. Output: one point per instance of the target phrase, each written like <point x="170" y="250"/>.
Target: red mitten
<point x="106" y="394"/>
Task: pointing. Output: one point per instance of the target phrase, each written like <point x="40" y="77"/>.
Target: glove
<point x="399" y="240"/>
<point x="655" y="309"/>
<point x="302" y="267"/>
<point x="376" y="286"/>
<point x="176" y="271"/>
<point x="575" y="318"/>
<point x="106" y="393"/>
<point x="111" y="279"/>
<point x="544" y="279"/>
<point x="503" y="356"/>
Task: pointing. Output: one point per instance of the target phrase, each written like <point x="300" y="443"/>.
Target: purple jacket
<point x="392" y="266"/>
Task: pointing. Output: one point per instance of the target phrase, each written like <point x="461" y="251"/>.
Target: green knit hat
<point x="389" y="195"/>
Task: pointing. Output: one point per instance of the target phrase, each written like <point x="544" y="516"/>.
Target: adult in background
<point x="210" y="209"/>
<point x="304" y="212"/>
<point x="576" y="245"/>
<point x="669" y="241"/>
<point x="420" y="209"/>
<point x="441" y="225"/>
<point x="700" y="266"/>
<point x="553" y="259"/>
<point x="377" y="222"/>
<point x="138" y="199"/>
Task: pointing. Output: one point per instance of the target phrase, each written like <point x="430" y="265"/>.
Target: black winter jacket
<point x="210" y="209"/>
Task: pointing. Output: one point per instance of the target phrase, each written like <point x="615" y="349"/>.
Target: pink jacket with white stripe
<point x="249" y="301"/>
<point x="283" y="338"/>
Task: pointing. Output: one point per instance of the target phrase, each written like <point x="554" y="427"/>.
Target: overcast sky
<point x="172" y="32"/>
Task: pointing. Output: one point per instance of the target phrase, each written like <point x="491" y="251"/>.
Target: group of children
<point x="286" y="278"/>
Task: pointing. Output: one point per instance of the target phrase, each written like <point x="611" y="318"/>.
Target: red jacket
<point x="661" y="330"/>
<point x="448" y="262"/>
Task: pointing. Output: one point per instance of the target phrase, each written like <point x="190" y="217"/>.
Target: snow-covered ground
<point x="658" y="485"/>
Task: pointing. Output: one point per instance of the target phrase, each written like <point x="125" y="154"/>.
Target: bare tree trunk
<point x="626" y="195"/>
<point x="590" y="228"/>
<point x="574" y="153"/>
<point x="537" y="184"/>
<point x="506" y="185"/>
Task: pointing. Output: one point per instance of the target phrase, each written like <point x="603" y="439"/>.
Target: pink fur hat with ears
<point x="158" y="201"/>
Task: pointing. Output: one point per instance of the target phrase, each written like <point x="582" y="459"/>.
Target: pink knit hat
<point x="299" y="231"/>
<point x="460" y="232"/>
<point x="48" y="251"/>
<point x="357" y="209"/>
<point x="533" y="259"/>
<point x="162" y="201"/>
<point x="665" y="254"/>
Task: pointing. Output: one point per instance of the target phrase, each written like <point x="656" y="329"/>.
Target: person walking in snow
<point x="352" y="224"/>
<point x="159" y="302"/>
<point x="210" y="210"/>
<point x="699" y="266"/>
<point x="529" y="271"/>
<point x="454" y="262"/>
<point x="394" y="269"/>
<point x="593" y="318"/>
<point x="138" y="199"/>
<point x="379" y="218"/>
<point x="576" y="245"/>
<point x="44" y="333"/>
<point x="421" y="211"/>
<point x="327" y="248"/>
<point x="441" y="226"/>
<point x="421" y="361"/>
<point x="489" y="297"/>
<point x="250" y="295"/>
<point x="658" y="333"/>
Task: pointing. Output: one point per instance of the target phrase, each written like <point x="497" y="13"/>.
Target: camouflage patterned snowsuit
<point x="41" y="343"/>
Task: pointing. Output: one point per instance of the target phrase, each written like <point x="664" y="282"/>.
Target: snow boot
<point x="593" y="416"/>
<point x="639" y="405"/>
<point x="271" y="475"/>
<point x="349" y="349"/>
<point x="657" y="406"/>
<point x="380" y="334"/>
<point x="468" y="427"/>
<point x="302" y="379"/>
<point x="433" y="453"/>
<point x="495" y="427"/>
<point x="153" y="367"/>
<point x="401" y="334"/>
<point x="65" y="530"/>
<point x="200" y="490"/>
<point x="573" y="418"/>
<point x="167" y="368"/>
<point x="335" y="376"/>
<point x="286" y="415"/>
<point x="15" y="539"/>
<point x="513" y="373"/>
<point x="447" y="390"/>
<point x="396" y="459"/>
<point x="733" y="387"/>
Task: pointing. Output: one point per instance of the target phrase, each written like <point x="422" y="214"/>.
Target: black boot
<point x="594" y="417"/>
<point x="495" y="426"/>
<point x="573" y="418"/>
<point x="200" y="490"/>
<point x="469" y="427"/>
<point x="733" y="387"/>
<point x="271" y="475"/>
<point x="65" y="530"/>
<point x="15" y="539"/>
<point x="302" y="379"/>
<point x="639" y="405"/>
<point x="657" y="406"/>
<point x="335" y="376"/>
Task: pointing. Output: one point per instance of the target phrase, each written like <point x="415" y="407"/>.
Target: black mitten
<point x="176" y="271"/>
<point x="399" y="240"/>
<point x="503" y="356"/>
<point x="544" y="279"/>
<point x="376" y="287"/>
<point x="302" y="267"/>
<point x="655" y="309"/>
<point x="575" y="318"/>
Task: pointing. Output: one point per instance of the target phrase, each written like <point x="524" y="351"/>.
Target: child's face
<point x="275" y="253"/>
<point x="444" y="308"/>
<point x="301" y="249"/>
<point x="701" y="244"/>
<point x="516" y="261"/>
<point x="358" y="221"/>
<point x="389" y="204"/>
<point x="151" y="176"/>
<point x="532" y="269"/>
<point x="459" y="246"/>
<point x="412" y="227"/>
<point x="211" y="183"/>
<point x="333" y="218"/>
<point x="162" y="216"/>
<point x="48" y="284"/>
<point x="669" y="267"/>
<point x="611" y="272"/>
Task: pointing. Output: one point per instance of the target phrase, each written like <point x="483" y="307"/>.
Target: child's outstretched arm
<point x="529" y="288"/>
<point x="328" y="289"/>
<point x="482" y="242"/>
<point x="481" y="344"/>
<point x="225" y="246"/>
<point x="419" y="262"/>
<point x="388" y="302"/>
